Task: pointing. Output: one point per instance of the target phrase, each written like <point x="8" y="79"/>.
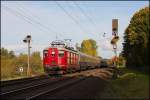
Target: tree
<point x="10" y="64"/>
<point x="7" y="63"/>
<point x="4" y="52"/>
<point x="21" y="61"/>
<point x="89" y="47"/>
<point x="136" y="40"/>
<point x="36" y="63"/>
<point x="11" y="54"/>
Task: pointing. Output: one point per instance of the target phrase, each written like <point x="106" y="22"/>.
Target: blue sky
<point x="44" y="19"/>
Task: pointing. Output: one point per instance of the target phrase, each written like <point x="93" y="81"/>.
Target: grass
<point x="131" y="85"/>
<point x="14" y="78"/>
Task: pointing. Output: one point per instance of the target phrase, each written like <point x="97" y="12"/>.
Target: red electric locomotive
<point x="59" y="59"/>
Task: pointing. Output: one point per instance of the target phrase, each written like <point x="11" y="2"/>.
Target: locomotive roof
<point x="62" y="48"/>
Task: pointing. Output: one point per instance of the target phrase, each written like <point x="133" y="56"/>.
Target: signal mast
<point x="115" y="38"/>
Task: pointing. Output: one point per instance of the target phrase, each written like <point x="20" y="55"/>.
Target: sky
<point x="47" y="21"/>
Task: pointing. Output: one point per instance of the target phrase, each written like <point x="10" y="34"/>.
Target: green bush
<point x="10" y="64"/>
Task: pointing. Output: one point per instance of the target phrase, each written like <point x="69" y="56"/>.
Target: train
<point x="59" y="58"/>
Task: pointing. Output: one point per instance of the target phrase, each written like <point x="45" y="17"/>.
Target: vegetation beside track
<point x="130" y="85"/>
<point x="134" y="81"/>
<point x="10" y="64"/>
<point x="136" y="40"/>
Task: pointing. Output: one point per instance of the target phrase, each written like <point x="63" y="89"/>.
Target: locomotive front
<point x="54" y="61"/>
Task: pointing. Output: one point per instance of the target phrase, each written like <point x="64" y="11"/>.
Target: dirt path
<point x="95" y="83"/>
<point x="103" y="73"/>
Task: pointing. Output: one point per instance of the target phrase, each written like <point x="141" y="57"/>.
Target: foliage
<point x="6" y="53"/>
<point x="89" y="47"/>
<point x="136" y="40"/>
<point x="36" y="63"/>
<point x="5" y="62"/>
<point x="10" y="64"/>
<point x="120" y="61"/>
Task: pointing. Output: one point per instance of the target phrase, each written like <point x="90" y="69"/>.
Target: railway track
<point x="15" y="84"/>
<point x="56" y="88"/>
<point x="23" y="80"/>
<point x="44" y="86"/>
<point x="37" y="90"/>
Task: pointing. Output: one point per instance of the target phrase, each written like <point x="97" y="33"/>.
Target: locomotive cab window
<point x="45" y="53"/>
<point x="61" y="53"/>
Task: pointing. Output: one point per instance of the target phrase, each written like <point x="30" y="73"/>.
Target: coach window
<point x="76" y="59"/>
<point x="70" y="58"/>
<point x="73" y="58"/>
<point x="61" y="53"/>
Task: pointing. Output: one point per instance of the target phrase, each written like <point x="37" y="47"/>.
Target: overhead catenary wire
<point x="83" y="12"/>
<point x="23" y="18"/>
<point x="19" y="15"/>
<point x="87" y="16"/>
<point x="38" y="22"/>
<point x="36" y="17"/>
<point x="29" y="20"/>
<point x="28" y="10"/>
<point x="70" y="16"/>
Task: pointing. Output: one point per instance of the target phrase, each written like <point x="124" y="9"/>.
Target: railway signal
<point x="115" y="38"/>
<point x="27" y="39"/>
<point x="115" y="27"/>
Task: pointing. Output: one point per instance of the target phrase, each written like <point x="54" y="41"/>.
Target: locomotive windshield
<point x="45" y="53"/>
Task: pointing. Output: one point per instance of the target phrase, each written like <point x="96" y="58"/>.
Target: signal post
<point x="115" y="38"/>
<point x="28" y="40"/>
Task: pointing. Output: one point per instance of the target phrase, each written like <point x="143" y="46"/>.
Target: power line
<point x="37" y="22"/>
<point x="18" y="15"/>
<point x="28" y="19"/>
<point x="37" y="19"/>
<point x="68" y="14"/>
<point x="88" y="17"/>
<point x="30" y="13"/>
<point x="82" y="11"/>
